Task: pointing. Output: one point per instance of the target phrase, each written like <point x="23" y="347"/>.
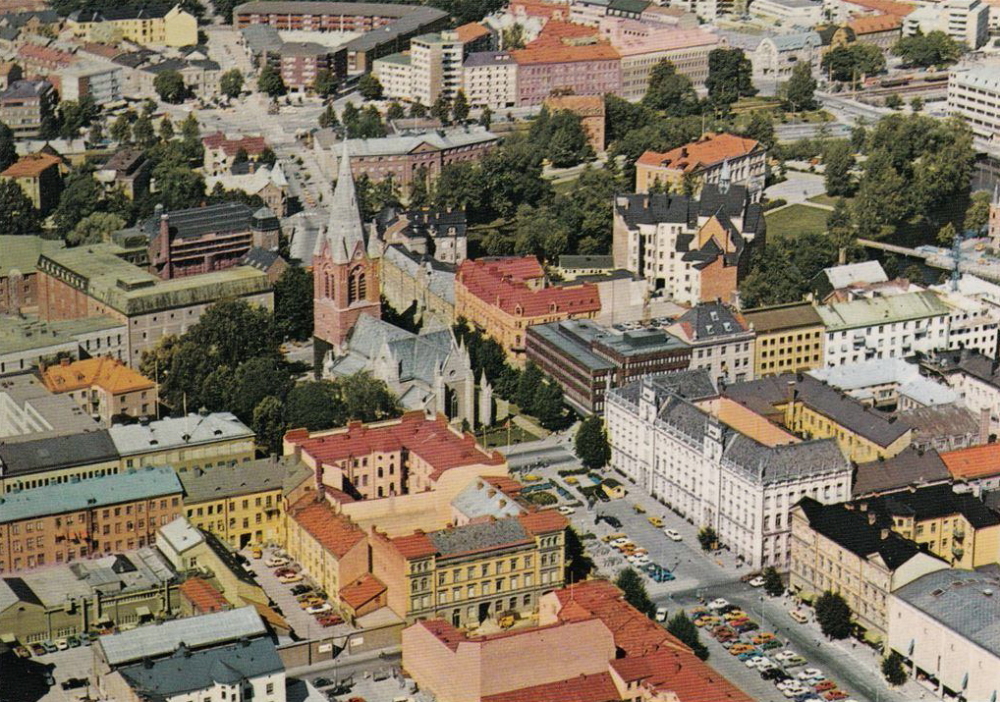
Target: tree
<point x="578" y="564"/>
<point x="418" y="110"/>
<point x="255" y="379"/>
<point x="531" y="378"/>
<point x="853" y="62"/>
<point x="670" y="91"/>
<point x="75" y="116"/>
<point x="773" y="585"/>
<point x="270" y="82"/>
<point x="946" y="235"/>
<point x="231" y="83"/>
<point x="190" y="128"/>
<point x="269" y="424"/>
<point x="441" y="109"/>
<point x="708" y="539"/>
<point x="293" y="304"/>
<point x="893" y="670"/>
<point x="881" y="197"/>
<point x="977" y="216"/>
<point x="486" y="117"/>
<point x="170" y="86"/>
<point x="178" y="186"/>
<point x="833" y="615"/>
<point x="95" y="228"/>
<point x="80" y="197"/>
<point x="166" y="128"/>
<point x="367" y="399"/>
<point x="460" y="107"/>
<point x="121" y="129"/>
<point x="17" y="214"/>
<point x="591" y="444"/>
<point x="314" y="405"/>
<point x="634" y="589"/>
<point x="96" y="134"/>
<point x="729" y="77"/>
<point x="512" y="37"/>
<point x="801" y="88"/>
<point x="549" y="404"/>
<point x="916" y="104"/>
<point x="325" y="83"/>
<point x="838" y="162"/>
<point x="328" y="118"/>
<point x="8" y="153"/>
<point x="685" y="630"/>
<point x="370" y="87"/>
<point x="143" y="132"/>
<point x="894" y="101"/>
<point x="840" y="229"/>
<point x="760" y="128"/>
<point x="925" y="50"/>
<point x="394" y="111"/>
<point x="420" y="195"/>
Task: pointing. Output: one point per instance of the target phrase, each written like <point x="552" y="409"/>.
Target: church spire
<point x="344" y="230"/>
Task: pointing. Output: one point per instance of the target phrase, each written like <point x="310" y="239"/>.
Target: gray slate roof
<point x="239" y="479"/>
<point x="24" y="457"/>
<point x="959" y="600"/>
<point x="483" y="536"/>
<point x="908" y="467"/>
<point x="178" y="431"/>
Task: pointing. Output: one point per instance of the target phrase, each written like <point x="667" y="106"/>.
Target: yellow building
<point x="437" y="575"/>
<point x="103" y="387"/>
<point x="789" y="338"/>
<point x="40" y="177"/>
<point x="148" y="25"/>
<point x="243" y="503"/>
<point x="844" y="549"/>
<point x="814" y="410"/>
<point x="185" y="443"/>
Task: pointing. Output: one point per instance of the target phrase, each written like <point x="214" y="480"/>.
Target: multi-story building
<point x="976" y="469"/>
<point x="409" y="278"/>
<point x="796" y="13"/>
<point x="712" y="159"/>
<point x="128" y="170"/>
<point x="468" y="574"/>
<point x="720" y="340"/>
<point x="148" y="25"/>
<point x="789" y="338"/>
<point x="197" y="441"/>
<point x="60" y="523"/>
<point x="888" y="384"/>
<point x="101" y="82"/>
<point x="437" y="66"/>
<point x="974" y="96"/>
<point x="841" y="548"/>
<point x="809" y="407"/>
<point x="883" y="31"/>
<point x="686" y="249"/>
<point x="942" y="624"/>
<point x="489" y="79"/>
<point x="103" y="387"/>
<point x="722" y="466"/>
<point x="95" y="280"/>
<point x="243" y="503"/>
<point x="218" y="656"/>
<point x="40" y="178"/>
<point x="884" y="327"/>
<point x="774" y="56"/>
<point x="18" y="279"/>
<point x="505" y="296"/>
<point x="299" y="62"/>
<point x="201" y="77"/>
<point x="972" y="321"/>
<point x="269" y="183"/>
<point x="221" y="150"/>
<point x="587" y="69"/>
<point x="642" y="46"/>
<point x="405" y="158"/>
<point x="587" y="359"/>
<point x="25" y="105"/>
<point x="28" y="342"/>
<point x="384" y="28"/>
<point x="974" y="377"/>
<point x="441" y="234"/>
<point x="965" y="21"/>
<point x="9" y="73"/>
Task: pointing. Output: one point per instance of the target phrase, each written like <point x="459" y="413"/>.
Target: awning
<point x="143" y="612"/>
<point x="8" y="638"/>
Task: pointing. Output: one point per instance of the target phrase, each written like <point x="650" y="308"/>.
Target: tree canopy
<point x="671" y="92"/>
<point x="170" y="86"/>
<point x="932" y="49"/>
<point x="730" y="77"/>
<point x="833" y="615"/>
<point x="853" y="62"/>
<point x="685" y="630"/>
<point x="634" y="589"/>
<point x="591" y="443"/>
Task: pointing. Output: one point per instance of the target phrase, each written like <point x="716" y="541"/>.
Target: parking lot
<point x="74" y="663"/>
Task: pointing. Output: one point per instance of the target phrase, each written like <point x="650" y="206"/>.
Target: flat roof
<point x="18" y="334"/>
<point x="172" y="432"/>
<point x="866" y="312"/>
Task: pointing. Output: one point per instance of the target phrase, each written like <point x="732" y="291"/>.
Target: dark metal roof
<point x="123" y="11"/>
<point x="199" y="221"/>
<point x="908" y="467"/>
<point x="51" y="453"/>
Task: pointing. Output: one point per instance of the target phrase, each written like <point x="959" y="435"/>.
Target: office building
<point x="789" y="338"/>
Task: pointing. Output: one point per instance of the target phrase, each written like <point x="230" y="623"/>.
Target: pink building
<point x="591" y="69"/>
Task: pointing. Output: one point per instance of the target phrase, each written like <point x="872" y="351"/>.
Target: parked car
<point x="276" y="562"/>
<point x="319" y="608"/>
<point x="718" y="604"/>
<point x="655" y="521"/>
<point x="798" y="616"/>
<point x="74" y="683"/>
<point x="22" y="652"/>
<point x="661" y="614"/>
<point x="770" y="645"/>
<point x="735" y="614"/>
<point x="639" y="509"/>
<point x="301" y="590"/>
<point x="329" y="620"/>
<point x="809" y="673"/>
<point x="775" y="674"/>
<point x="825" y="686"/>
<point x="672" y="535"/>
<point x="566" y="510"/>
<point x="757" y="582"/>
<point x="322" y="682"/>
<point x="62" y="644"/>
<point x="290" y="578"/>
<point x="50" y="647"/>
<point x="311" y="601"/>
<point x="794" y="661"/>
<point x="73" y="641"/>
<point x="835" y="695"/>
<point x="257" y="552"/>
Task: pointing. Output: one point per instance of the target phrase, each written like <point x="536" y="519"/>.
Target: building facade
<point x="40" y="178"/>
<point x="965" y="21"/>
<point x="195" y="442"/>
<point x="103" y="387"/>
<point x="789" y="338"/>
<point x="147" y="25"/>
<point x="713" y="158"/>
<point x="25" y="104"/>
<point x="581" y="70"/>
<point x="720" y="340"/>
<point x="974" y="96"/>
<point x="489" y="79"/>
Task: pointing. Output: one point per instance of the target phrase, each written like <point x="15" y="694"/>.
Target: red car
<point x="330" y="620"/>
<point x="835" y="695"/>
<point x="826" y="686"/>
<point x="282" y="572"/>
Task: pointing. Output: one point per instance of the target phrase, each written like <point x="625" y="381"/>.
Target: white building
<point x="974" y="95"/>
<point x="975" y="378"/>
<point x="696" y="457"/>
<point x="395" y="73"/>
<point x="800" y="13"/>
<point x="945" y="626"/>
<point x="489" y="79"/>
<point x="972" y="323"/>
<point x="884" y="327"/>
<point x="887" y="383"/>
<point x="99" y="81"/>
<point x="967" y="21"/>
<point x="437" y="66"/>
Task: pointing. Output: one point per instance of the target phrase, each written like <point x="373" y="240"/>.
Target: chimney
<point x="164" y="255"/>
<point x="63" y="362"/>
<point x="871" y="518"/>
<point x="984" y="425"/>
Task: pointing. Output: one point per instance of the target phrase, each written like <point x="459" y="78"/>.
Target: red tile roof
<point x="565" y="54"/>
<point x="556" y="33"/>
<point x="470" y="32"/>
<point x="31" y="166"/>
<point x="430" y="439"/>
<point x="336" y="533"/>
<point x="504" y="284"/>
<point x="253" y="145"/>
<point x="443" y="632"/>
<point x="506" y="485"/>
<point x="874" y="24"/>
<point x="538" y="8"/>
<point x="361" y="591"/>
<point x="679" y="672"/>
<point x="45" y="55"/>
<point x="706" y="151"/>
<point x="543" y="522"/>
<point x="973" y="463"/>
<point x="885" y="7"/>
<point x="416" y="545"/>
<point x="585" y="688"/>
<point x="203" y="596"/>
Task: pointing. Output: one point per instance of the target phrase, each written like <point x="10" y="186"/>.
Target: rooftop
<point x="962" y="600"/>
<point x="174" y="432"/>
<point x="203" y="596"/>
<point x="26" y="89"/>
<point x="973" y="463"/>
<point x="442" y="140"/>
<point x="587" y="262"/>
<point x="709" y="321"/>
<point x="334" y="532"/>
<point x="875" y="23"/>
<point x="480" y="537"/>
<point x="565" y="54"/>
<point x="488" y="58"/>
<point x="103" y="372"/>
<point x="584" y="688"/>
<point x="31" y="166"/>
<point x="252" y="145"/>
<point x="130" y="486"/>
<point x="930" y="502"/>
<point x="910" y="467"/>
<point x="866" y="312"/>
<point x="362" y="591"/>
<point x="861" y="379"/>
<point x="484" y="498"/>
<point x="512" y="284"/>
<point x="766" y="320"/>
<point x="680" y="673"/>
<point x="709" y="150"/>
<point x="265" y="474"/>
<point x="122" y="12"/>
<point x="194" y="632"/>
<point x="20" y="253"/>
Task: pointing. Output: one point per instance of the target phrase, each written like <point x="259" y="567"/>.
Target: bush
<point x="572" y="471"/>
<point x="708" y="539"/>
<point x="773" y="204"/>
<point x="893" y="670"/>
<point x="542" y="498"/>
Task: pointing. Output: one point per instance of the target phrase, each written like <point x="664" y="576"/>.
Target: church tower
<point x="345" y="275"/>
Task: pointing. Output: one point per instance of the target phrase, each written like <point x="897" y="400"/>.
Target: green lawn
<point x="795" y="220"/>
<point x="496" y="437"/>
<point x="825" y="199"/>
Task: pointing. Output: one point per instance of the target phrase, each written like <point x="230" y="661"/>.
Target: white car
<point x="566" y="510"/>
<point x="661" y="614"/>
<point x="788" y="683"/>
<point x="276" y="562"/>
<point x="757" y="582"/>
<point x="641" y="560"/>
<point x="672" y="535"/>
<point x="718" y="604"/>
<point x="795" y="691"/>
<point x="810" y="673"/>
<point x="319" y="609"/>
<point x="785" y="655"/>
<point x="62" y="644"/>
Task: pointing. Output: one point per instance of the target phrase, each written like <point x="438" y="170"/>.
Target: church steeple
<point x="344" y="231"/>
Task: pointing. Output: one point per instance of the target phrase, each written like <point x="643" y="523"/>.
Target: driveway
<point x="798" y="189"/>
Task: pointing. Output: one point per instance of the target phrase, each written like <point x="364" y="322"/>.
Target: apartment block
<point x="40" y="178"/>
<point x="100" y="82"/>
<point x="712" y="159"/>
<point x="63" y="522"/>
<point x="437" y="66"/>
<point x="965" y="21"/>
<point x="642" y="45"/>
<point x="489" y="79"/>
<point x="196" y="441"/>
<point x="24" y="104"/>
<point x="103" y="387"/>
<point x="789" y="338"/>
<point x="974" y="96"/>
<point x="148" y="25"/>
<point x="590" y="69"/>
<point x="720" y="339"/>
